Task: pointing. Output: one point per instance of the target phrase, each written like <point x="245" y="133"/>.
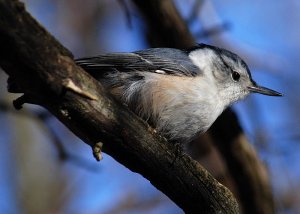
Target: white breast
<point x="179" y="107"/>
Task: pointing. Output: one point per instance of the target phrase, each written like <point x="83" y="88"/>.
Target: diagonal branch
<point x="44" y="70"/>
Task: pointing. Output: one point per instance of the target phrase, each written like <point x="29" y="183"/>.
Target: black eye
<point x="235" y="76"/>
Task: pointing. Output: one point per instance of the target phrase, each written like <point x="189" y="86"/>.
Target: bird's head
<point x="228" y="73"/>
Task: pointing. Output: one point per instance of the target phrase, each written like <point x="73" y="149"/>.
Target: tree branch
<point x="44" y="70"/>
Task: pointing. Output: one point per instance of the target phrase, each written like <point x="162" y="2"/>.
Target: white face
<point x="232" y="78"/>
<point x="226" y="71"/>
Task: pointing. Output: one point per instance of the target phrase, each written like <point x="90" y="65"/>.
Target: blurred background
<point x="46" y="169"/>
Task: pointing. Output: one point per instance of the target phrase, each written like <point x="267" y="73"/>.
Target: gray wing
<point x="160" y="60"/>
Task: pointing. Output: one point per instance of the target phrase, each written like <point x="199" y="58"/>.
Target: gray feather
<point x="169" y="60"/>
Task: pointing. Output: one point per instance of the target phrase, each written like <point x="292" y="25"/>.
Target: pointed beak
<point x="263" y="90"/>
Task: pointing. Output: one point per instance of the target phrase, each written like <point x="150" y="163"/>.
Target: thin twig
<point x="128" y="15"/>
<point x="43" y="118"/>
<point x="212" y="31"/>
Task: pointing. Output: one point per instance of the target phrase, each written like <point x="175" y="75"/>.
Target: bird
<point x="180" y="92"/>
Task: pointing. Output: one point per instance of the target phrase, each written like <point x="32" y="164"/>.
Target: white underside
<point x="179" y="107"/>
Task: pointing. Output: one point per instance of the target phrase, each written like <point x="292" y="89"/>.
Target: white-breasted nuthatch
<point x="179" y="92"/>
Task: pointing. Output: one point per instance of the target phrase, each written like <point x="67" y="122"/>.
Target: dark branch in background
<point x="44" y="70"/>
<point x="240" y="155"/>
<point x="167" y="28"/>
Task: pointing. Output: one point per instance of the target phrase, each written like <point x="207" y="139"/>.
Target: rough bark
<point x="45" y="72"/>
